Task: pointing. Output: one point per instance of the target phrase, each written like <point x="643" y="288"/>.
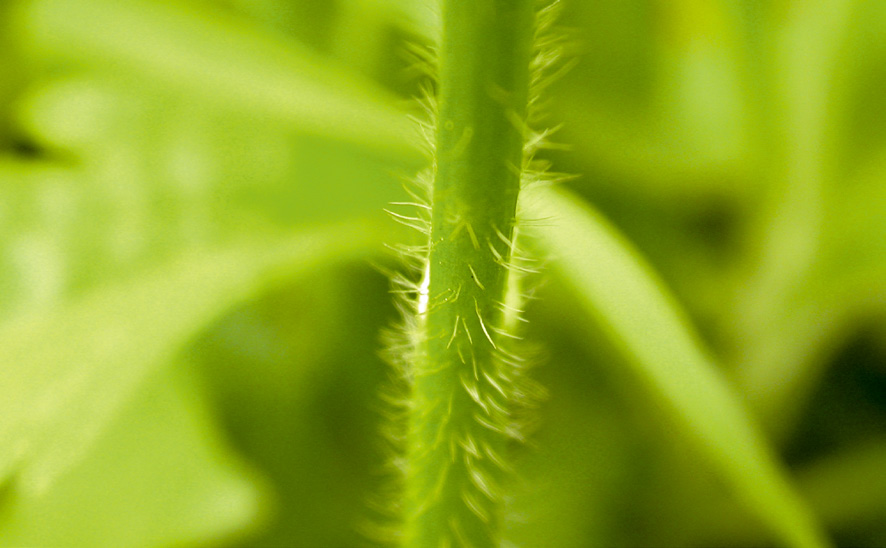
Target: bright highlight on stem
<point x="464" y="381"/>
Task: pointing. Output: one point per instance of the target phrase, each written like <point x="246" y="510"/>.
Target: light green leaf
<point x="220" y="59"/>
<point x="65" y="374"/>
<point x="791" y="227"/>
<point x="619" y="291"/>
<point x="158" y="476"/>
<point x="843" y="287"/>
<point x="157" y="175"/>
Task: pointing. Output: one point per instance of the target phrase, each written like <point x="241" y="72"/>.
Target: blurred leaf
<point x="38" y="206"/>
<point x="655" y="100"/>
<point x="843" y="287"/>
<point x="138" y="177"/>
<point x="295" y="376"/>
<point x="616" y="289"/>
<point x="159" y="475"/>
<point x="422" y="17"/>
<point x="801" y="166"/>
<point x="67" y="373"/>
<point x="224" y="60"/>
<point x="858" y="87"/>
<point x="848" y="489"/>
<point x="572" y="485"/>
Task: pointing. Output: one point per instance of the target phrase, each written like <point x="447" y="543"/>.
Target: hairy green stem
<point x="463" y="378"/>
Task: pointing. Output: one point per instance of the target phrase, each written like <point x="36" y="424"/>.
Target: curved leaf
<point x="159" y="476"/>
<point x="222" y="60"/>
<point x="618" y="290"/>
<point x="65" y="374"/>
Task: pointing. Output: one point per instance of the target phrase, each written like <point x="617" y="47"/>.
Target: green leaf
<point x="790" y="228"/>
<point x="66" y="374"/>
<point x="155" y="176"/>
<point x="842" y="288"/>
<point x="848" y="488"/>
<point x="614" y="287"/>
<point x="422" y="17"/>
<point x="158" y="476"/>
<point x="220" y="59"/>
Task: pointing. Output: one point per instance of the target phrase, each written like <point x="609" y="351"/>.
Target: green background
<point x="192" y="259"/>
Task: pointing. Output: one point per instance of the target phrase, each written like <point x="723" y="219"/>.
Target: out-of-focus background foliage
<point x="191" y="211"/>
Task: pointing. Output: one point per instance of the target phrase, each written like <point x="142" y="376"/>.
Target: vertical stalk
<point x="462" y="377"/>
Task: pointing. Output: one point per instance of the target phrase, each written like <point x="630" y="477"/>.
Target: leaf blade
<point x="220" y="59"/>
<point x="620" y="292"/>
<point x="66" y="373"/>
<point x="159" y="475"/>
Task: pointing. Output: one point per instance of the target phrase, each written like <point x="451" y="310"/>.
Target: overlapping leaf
<point x="67" y="373"/>
<point x="159" y="475"/>
<point x="617" y="290"/>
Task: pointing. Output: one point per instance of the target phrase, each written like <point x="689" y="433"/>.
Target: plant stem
<point x="463" y="386"/>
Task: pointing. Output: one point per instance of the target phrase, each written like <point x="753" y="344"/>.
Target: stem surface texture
<point x="463" y="378"/>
